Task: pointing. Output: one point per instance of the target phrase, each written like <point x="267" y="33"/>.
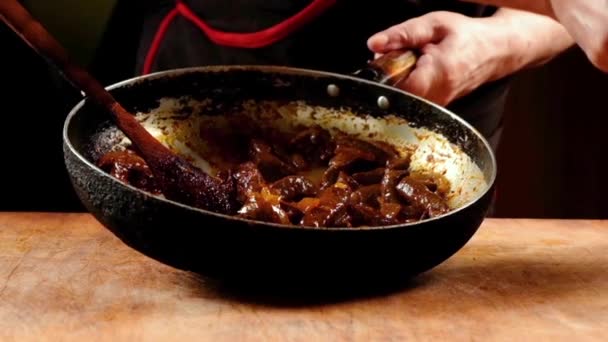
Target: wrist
<point x="528" y="39"/>
<point x="511" y="49"/>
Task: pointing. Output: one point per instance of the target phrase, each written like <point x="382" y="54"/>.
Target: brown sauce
<point x="311" y="179"/>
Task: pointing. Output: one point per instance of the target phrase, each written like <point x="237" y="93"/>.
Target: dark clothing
<point x="334" y="41"/>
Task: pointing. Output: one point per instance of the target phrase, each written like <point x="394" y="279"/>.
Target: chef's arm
<point x="535" y="39"/>
<point x="460" y="53"/>
<point x="536" y="6"/>
<point x="585" y="20"/>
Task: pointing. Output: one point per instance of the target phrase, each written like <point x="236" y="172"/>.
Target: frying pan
<point x="172" y="104"/>
<point x="228" y="247"/>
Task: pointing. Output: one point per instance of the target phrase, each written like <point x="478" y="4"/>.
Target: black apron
<point x="325" y="35"/>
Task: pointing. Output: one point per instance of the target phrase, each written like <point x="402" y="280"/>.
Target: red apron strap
<point x="157" y="40"/>
<point x="250" y="40"/>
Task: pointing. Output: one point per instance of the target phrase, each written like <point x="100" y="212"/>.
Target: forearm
<point x="536" y="6"/>
<point x="531" y="39"/>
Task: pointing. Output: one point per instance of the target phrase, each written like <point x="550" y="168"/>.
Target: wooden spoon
<point x="178" y="179"/>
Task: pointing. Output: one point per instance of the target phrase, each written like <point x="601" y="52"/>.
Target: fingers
<point x="425" y="80"/>
<point x="413" y="33"/>
<point x="421" y="80"/>
<point x="452" y="61"/>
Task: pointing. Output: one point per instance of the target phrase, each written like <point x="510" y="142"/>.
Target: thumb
<point x="414" y="33"/>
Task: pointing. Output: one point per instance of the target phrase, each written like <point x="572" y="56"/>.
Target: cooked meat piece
<point x="347" y="157"/>
<point x="270" y="165"/>
<point x="264" y="207"/>
<point x="420" y="197"/>
<point x="389" y="182"/>
<point x="402" y="163"/>
<point x="334" y="195"/>
<point x="129" y="168"/>
<point x="299" y="162"/>
<point x="314" y="143"/>
<point x="307" y="203"/>
<point x="410" y="213"/>
<point x="344" y="180"/>
<point x="293" y="211"/>
<point x="340" y="217"/>
<point x="369" y="177"/>
<point x="332" y="203"/>
<point x="376" y="151"/>
<point x="391" y="212"/>
<point x="368" y="195"/>
<point x="249" y="180"/>
<point x="327" y="216"/>
<point x="294" y="188"/>
<point x="363" y="215"/>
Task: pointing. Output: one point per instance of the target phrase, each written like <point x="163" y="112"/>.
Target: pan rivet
<point x="333" y="90"/>
<point x="383" y="102"/>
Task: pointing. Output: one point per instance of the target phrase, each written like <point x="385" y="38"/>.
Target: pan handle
<point x="391" y="68"/>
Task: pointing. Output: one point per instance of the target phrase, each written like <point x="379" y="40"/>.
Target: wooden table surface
<point x="64" y="277"/>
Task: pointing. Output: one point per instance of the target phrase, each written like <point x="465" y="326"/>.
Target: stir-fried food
<point x="313" y="178"/>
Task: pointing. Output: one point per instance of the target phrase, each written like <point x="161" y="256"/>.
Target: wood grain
<point x="64" y="277"/>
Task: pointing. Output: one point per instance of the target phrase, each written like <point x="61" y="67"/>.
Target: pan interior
<point x="180" y="122"/>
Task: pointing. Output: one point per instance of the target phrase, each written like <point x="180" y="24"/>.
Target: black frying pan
<point x="227" y="247"/>
<point x="214" y="244"/>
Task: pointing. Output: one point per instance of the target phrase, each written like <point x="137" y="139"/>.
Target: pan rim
<point x="279" y="70"/>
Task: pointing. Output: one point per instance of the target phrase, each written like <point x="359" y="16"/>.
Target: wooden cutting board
<point x="64" y="277"/>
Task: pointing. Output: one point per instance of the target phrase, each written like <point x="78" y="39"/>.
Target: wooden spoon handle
<point x="36" y="36"/>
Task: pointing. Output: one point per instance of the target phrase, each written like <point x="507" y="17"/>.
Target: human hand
<point x="459" y="53"/>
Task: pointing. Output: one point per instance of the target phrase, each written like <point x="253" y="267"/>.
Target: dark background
<point x="553" y="161"/>
<point x="553" y="157"/>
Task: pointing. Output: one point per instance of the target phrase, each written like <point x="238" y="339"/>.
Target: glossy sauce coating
<point x="312" y="179"/>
